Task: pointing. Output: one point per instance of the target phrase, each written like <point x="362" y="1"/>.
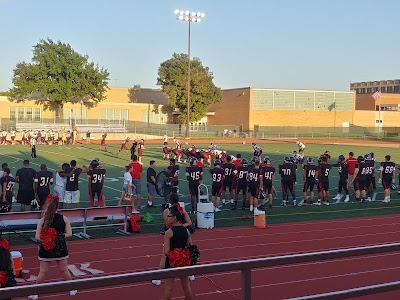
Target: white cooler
<point x="205" y="215"/>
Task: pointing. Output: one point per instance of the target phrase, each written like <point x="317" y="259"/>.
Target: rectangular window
<point x="20" y="114"/>
<point x="114" y="115"/>
<point x="37" y="116"/>
<point x="12" y="113"/>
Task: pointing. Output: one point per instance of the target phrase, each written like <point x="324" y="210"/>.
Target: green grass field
<point x="53" y="156"/>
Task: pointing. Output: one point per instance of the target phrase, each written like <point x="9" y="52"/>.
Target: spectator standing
<point x="33" y="147"/>
<point x="88" y="137"/>
<point x="25" y="177"/>
<point x="52" y="230"/>
<point x="12" y="135"/>
<point x="140" y="150"/>
<point x="136" y="172"/>
<point x="127" y="189"/>
<point x="151" y="183"/>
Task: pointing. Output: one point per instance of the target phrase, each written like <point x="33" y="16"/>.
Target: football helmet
<point x="244" y="162"/>
<point x="193" y="161"/>
<point x="341" y="157"/>
<point x="286" y="159"/>
<point x="267" y="160"/>
<point x="217" y="162"/>
<point x="254" y="159"/>
<point x="393" y="187"/>
<point x="360" y="159"/>
<point x="310" y="160"/>
<point x="94" y="163"/>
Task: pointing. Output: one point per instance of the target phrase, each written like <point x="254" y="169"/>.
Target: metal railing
<point x="244" y="266"/>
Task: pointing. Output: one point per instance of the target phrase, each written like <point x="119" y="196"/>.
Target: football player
<point x="287" y="170"/>
<point x="387" y="176"/>
<point x="343" y="175"/>
<point x="301" y="146"/>
<point x="194" y="175"/>
<point x="96" y="176"/>
<point x="241" y="182"/>
<point x="253" y="183"/>
<point x="124" y="146"/>
<point x="267" y="177"/>
<point x="217" y="176"/>
<point x="230" y="172"/>
<point x="44" y="179"/>
<point x="323" y="176"/>
<point x="309" y="179"/>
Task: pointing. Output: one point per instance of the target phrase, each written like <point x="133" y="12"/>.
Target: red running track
<point x="142" y="252"/>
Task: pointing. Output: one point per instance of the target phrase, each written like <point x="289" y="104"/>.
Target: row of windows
<point x="385" y="89"/>
<point x="34" y="114"/>
<point x="301" y="100"/>
<point x="30" y="114"/>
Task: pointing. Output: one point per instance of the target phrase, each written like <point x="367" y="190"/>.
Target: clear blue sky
<point x="309" y="44"/>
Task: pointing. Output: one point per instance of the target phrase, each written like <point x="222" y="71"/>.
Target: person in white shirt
<point x="165" y="143"/>
<point x="12" y="135"/>
<point x="61" y="181"/>
<point x="33" y="147"/>
<point x="127" y="194"/>
<point x="301" y="147"/>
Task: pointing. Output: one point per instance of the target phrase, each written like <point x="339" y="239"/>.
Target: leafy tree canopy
<point x="59" y="74"/>
<point x="173" y="77"/>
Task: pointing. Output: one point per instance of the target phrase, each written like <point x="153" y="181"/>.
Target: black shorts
<point x="25" y="197"/>
<point x="268" y="188"/>
<point x="324" y="186"/>
<point x="42" y="198"/>
<point x="287" y="185"/>
<point x="94" y="192"/>
<point x="9" y="196"/>
<point x="241" y="187"/>
<point x="360" y="184"/>
<point x="228" y="183"/>
<point x="386" y="182"/>
<point x="368" y="183"/>
<point x="308" y="185"/>
<point x="194" y="189"/>
<point x="253" y="190"/>
<point x="216" y="190"/>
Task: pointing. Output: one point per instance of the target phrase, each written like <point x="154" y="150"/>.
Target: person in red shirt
<point x="136" y="172"/>
<point x="351" y="162"/>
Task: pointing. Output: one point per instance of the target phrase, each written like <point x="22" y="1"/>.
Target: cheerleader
<point x="176" y="239"/>
<point x="52" y="230"/>
<point x="7" y="276"/>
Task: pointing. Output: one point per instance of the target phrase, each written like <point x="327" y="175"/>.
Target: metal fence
<point x="244" y="266"/>
<point x="214" y="131"/>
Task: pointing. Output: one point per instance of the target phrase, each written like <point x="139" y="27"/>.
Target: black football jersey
<point x="363" y="170"/>
<point x="195" y="174"/>
<point x="267" y="172"/>
<point x="287" y="172"/>
<point x="173" y="172"/>
<point x="324" y="170"/>
<point x="44" y="179"/>
<point x="310" y="172"/>
<point x="387" y="168"/>
<point x="241" y="175"/>
<point x="229" y="169"/>
<point x="252" y="176"/>
<point x="72" y="181"/>
<point x="97" y="178"/>
<point x="217" y="175"/>
<point x="10" y="183"/>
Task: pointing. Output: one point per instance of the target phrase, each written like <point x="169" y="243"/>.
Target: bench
<point x="20" y="221"/>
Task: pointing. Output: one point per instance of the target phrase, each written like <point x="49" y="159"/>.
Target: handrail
<point x="245" y="266"/>
<point x="352" y="293"/>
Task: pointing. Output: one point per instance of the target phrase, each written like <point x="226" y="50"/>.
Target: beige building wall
<point x="233" y="109"/>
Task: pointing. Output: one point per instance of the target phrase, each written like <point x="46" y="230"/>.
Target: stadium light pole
<point x="81" y="102"/>
<point x="188" y="17"/>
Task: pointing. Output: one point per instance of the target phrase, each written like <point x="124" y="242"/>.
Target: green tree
<point x="58" y="74"/>
<point x="173" y="77"/>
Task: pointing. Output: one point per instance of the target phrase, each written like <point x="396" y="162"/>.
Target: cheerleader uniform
<point x="179" y="240"/>
<point x="60" y="251"/>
